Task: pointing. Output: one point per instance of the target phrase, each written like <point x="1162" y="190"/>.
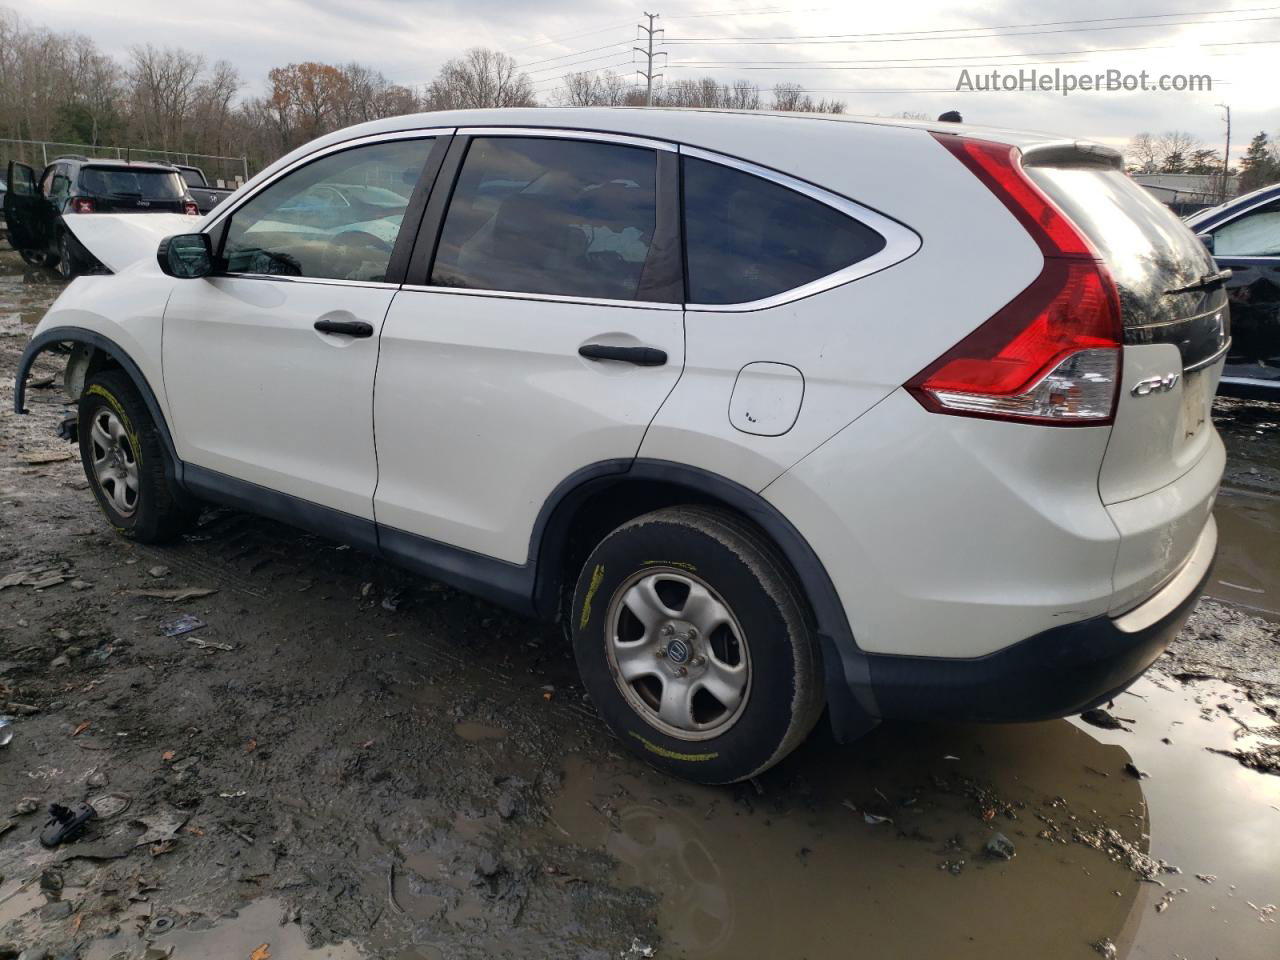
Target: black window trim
<point x="900" y="240"/>
<point x="405" y="239"/>
<point x="667" y="229"/>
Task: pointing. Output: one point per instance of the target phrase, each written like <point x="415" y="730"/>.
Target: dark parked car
<point x="205" y="194"/>
<point x="1244" y="236"/>
<point x="76" y="186"/>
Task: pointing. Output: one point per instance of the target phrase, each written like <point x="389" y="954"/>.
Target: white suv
<point x="774" y="412"/>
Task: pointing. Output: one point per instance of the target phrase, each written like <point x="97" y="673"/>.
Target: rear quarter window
<point x="748" y="238"/>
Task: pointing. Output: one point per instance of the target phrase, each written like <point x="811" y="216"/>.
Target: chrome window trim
<point x="1234" y="217"/>
<point x="901" y="241"/>
<point x="1154" y="324"/>
<point x="422" y="133"/>
<point x="566" y="133"/>
<point x="1260" y="257"/>
<point x="326" y="281"/>
<point x="544" y="297"/>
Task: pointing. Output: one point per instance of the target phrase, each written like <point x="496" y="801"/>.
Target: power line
<point x="574" y="63"/>
<point x="572" y="36"/>
<point x="893" y="63"/>
<point x="970" y="34"/>
<point x="575" y="53"/>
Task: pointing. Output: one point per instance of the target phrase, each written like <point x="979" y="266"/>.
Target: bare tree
<point x="789" y="97"/>
<point x="1142" y="154"/>
<point x="164" y="84"/>
<point x="480" y="78"/>
<point x="591" y="89"/>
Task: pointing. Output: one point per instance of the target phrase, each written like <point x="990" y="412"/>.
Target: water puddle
<point x="1248" y="569"/>
<point x="474" y="732"/>
<point x="256" y="925"/>
<point x="882" y="842"/>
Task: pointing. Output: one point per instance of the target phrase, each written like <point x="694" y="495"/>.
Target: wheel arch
<point x="106" y="353"/>
<point x="596" y="499"/>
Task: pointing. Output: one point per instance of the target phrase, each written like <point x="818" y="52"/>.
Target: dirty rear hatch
<point x="1163" y="460"/>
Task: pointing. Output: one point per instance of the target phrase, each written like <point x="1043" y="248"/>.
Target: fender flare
<point x="54" y="335"/>
<point x="847" y="671"/>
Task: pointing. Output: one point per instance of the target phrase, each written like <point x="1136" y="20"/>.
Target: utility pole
<point x="649" y="75"/>
<point x="1226" y="154"/>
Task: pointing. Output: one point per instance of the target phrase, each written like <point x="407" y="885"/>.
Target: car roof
<point x="119" y="164"/>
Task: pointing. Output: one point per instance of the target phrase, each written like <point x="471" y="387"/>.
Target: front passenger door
<point x="268" y="365"/>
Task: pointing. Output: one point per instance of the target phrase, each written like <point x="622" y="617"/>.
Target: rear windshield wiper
<point x="1206" y="281"/>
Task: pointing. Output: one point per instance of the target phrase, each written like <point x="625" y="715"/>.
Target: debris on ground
<point x="66" y="823"/>
<point x="184" y="624"/>
<point x="1105" y="948"/>
<point x="1104" y="720"/>
<point x="1132" y="770"/>
<point x="210" y="644"/>
<point x="175" y="595"/>
<point x="999" y="847"/>
<point x="637" y="951"/>
<point x="1111" y="842"/>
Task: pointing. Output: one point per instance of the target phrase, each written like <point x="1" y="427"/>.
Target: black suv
<point x="75" y="186"/>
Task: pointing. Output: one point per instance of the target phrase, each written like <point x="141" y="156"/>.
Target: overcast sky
<point x="407" y="40"/>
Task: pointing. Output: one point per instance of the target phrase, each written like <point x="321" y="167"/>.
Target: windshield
<point x="146" y="184"/>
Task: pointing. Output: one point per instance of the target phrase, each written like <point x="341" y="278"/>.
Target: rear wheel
<point x="68" y="264"/>
<point x="37" y="258"/>
<point x="691" y="641"/>
<point x="125" y="460"/>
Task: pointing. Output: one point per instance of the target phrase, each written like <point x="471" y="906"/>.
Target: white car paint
<point x="944" y="535"/>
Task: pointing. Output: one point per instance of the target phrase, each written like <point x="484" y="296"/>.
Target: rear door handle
<point x="640" y="356"/>
<point x="352" y="328"/>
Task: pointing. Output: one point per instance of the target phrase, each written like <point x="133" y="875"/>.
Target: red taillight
<point x="1052" y="354"/>
<point x="83" y="205"/>
<point x="190" y="209"/>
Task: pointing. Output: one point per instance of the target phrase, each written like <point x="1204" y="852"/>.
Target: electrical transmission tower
<point x="649" y="76"/>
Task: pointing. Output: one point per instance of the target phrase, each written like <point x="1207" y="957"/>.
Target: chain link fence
<point x="221" y="171"/>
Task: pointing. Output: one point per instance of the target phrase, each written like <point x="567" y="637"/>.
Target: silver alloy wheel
<point x="678" y="654"/>
<point x="115" y="463"/>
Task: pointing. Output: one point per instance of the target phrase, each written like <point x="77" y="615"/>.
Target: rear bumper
<point x="1056" y="673"/>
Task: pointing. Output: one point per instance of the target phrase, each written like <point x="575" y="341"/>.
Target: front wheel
<point x="125" y="459"/>
<point x="691" y="641"/>
<point x="68" y="265"/>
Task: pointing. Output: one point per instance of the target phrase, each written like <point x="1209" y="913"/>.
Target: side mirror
<point x="186" y="256"/>
<point x="1206" y="239"/>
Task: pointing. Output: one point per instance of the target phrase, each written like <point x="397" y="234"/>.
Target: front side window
<point x="335" y="219"/>
<point x="1256" y="234"/>
<point x="571" y="218"/>
<point x="748" y="238"/>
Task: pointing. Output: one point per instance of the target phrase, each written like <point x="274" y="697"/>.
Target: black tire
<point x="68" y="264"/>
<point x="158" y="510"/>
<point x="35" y="258"/>
<point x="741" y="570"/>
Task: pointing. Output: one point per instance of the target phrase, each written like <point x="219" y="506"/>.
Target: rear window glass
<point x="1147" y="247"/>
<point x="192" y="177"/>
<point x="146" y="184"/>
<point x="749" y="238"/>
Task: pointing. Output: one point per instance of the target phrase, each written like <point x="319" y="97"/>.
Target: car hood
<point x="122" y="239"/>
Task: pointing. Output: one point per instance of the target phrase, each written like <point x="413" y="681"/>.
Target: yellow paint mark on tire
<point x="671" y="754"/>
<point x="101" y="391"/>
<point x="597" y="577"/>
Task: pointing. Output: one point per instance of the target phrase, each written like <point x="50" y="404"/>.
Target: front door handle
<point x="352" y="328"/>
<point x="640" y="356"/>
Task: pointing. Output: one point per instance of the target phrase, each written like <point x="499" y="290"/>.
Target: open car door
<point x="22" y="209"/>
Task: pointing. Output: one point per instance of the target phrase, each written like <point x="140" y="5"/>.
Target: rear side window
<point x="134" y="184"/>
<point x="1256" y="234"/>
<point x="748" y="238"/>
<point x="568" y="218"/>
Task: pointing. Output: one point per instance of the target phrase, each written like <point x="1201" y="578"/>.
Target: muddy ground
<point x="345" y="761"/>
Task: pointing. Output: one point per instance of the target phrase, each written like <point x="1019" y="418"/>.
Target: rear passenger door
<point x="539" y="332"/>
